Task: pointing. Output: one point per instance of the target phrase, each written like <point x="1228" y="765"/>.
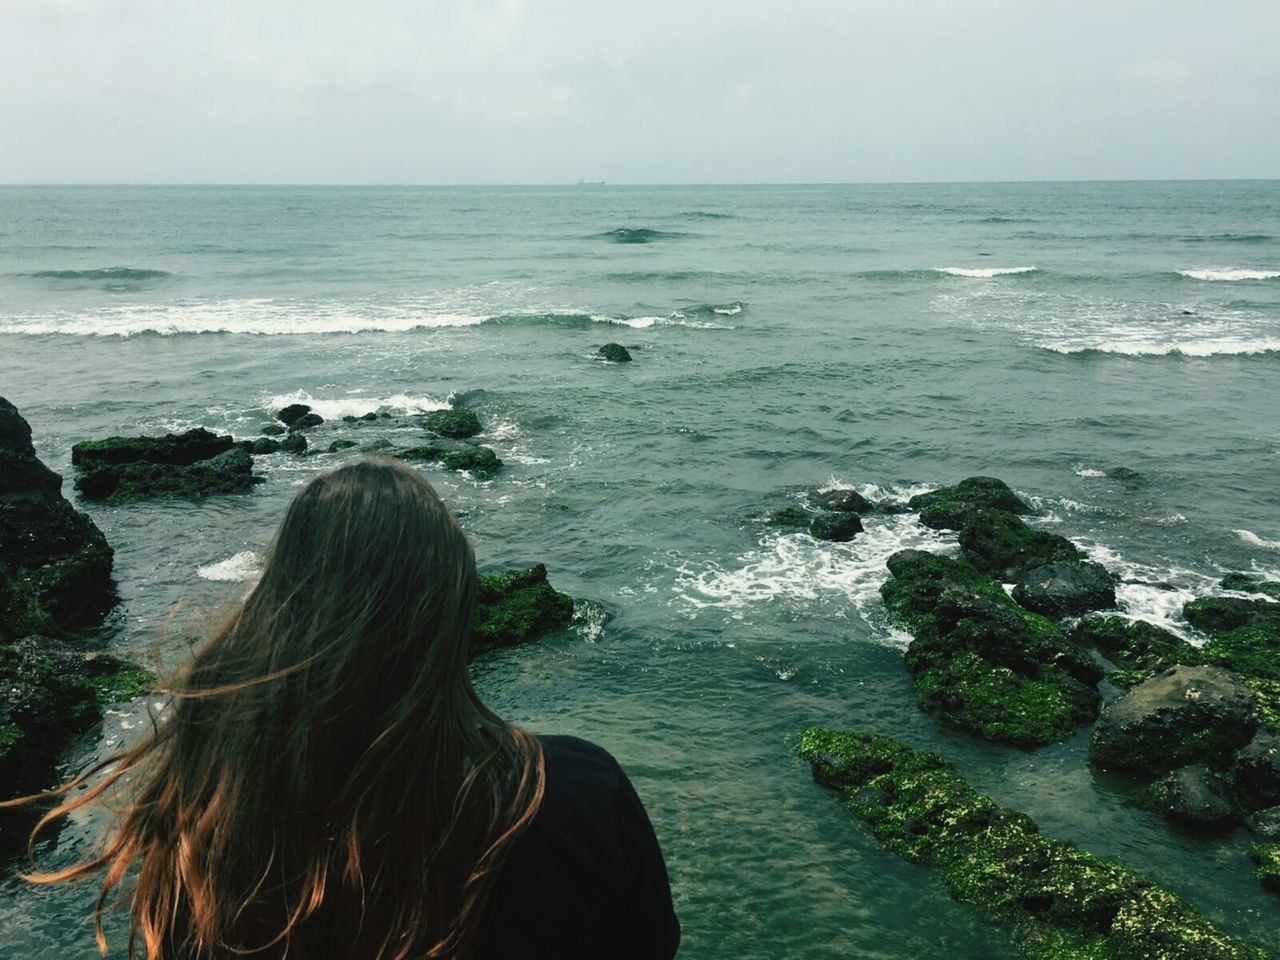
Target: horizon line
<point x="625" y="183"/>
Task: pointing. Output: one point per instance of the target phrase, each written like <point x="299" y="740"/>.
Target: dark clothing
<point x="586" y="879"/>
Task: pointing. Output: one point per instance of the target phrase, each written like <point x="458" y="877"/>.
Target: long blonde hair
<point x="324" y="780"/>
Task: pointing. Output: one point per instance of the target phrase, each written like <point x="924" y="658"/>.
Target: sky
<point x="638" y="91"/>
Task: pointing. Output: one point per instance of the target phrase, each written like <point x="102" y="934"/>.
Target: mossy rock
<point x="1247" y="584"/>
<point x="229" y="472"/>
<point x="1267" y="694"/>
<point x="1219" y="614"/>
<point x="614" y="353"/>
<point x="836" y="527"/>
<point x="792" y="518"/>
<point x="480" y="461"/>
<point x="1266" y="861"/>
<point x="1253" y="651"/>
<point x="340" y="445"/>
<point x="947" y="507"/>
<point x="1002" y="544"/>
<point x="455" y="424"/>
<point x="1134" y="645"/>
<point x="516" y="607"/>
<point x="1059" y="901"/>
<point x="979" y="661"/>
<point x="845" y="501"/>
<point x="174" y="449"/>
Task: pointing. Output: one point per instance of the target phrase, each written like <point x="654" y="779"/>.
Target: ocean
<point x="890" y="338"/>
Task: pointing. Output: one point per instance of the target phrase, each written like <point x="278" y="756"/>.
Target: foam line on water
<point x="238" y="568"/>
<point x="354" y="406"/>
<point x="1230" y="274"/>
<point x="982" y="273"/>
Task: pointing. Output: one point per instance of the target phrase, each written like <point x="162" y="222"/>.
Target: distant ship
<point x="591" y="183"/>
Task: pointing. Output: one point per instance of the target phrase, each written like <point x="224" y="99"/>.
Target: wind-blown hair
<point x="324" y="781"/>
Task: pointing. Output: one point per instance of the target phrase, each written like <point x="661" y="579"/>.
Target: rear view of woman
<point x="325" y="783"/>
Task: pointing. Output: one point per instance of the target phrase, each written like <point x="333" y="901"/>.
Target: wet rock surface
<point x="1066" y="588"/>
<point x="516" y="607"/>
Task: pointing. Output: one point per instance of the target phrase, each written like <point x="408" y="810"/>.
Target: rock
<point x="516" y="607"/>
<point x="306" y="422"/>
<point x="294" y="443"/>
<point x="338" y="445"/>
<point x="847" y="501"/>
<point x="455" y="424"/>
<point x="1265" y="823"/>
<point x="981" y="662"/>
<point x="1247" y="584"/>
<point x="293" y="412"/>
<point x="1066" y="588"/>
<point x="1255" y="776"/>
<point x="272" y="430"/>
<point x="1194" y="794"/>
<point x="947" y="507"/>
<point x="480" y="461"/>
<point x="173" y="449"/>
<point x="1218" y="614"/>
<point x="146" y="476"/>
<point x="1000" y="543"/>
<point x="1065" y="901"/>
<point x="350" y="418"/>
<point x="1185" y="715"/>
<point x="1134" y="644"/>
<point x="614" y="353"/>
<point x="837" y="527"/>
<point x="1131" y="479"/>
<point x="794" y="517"/>
<point x="1266" y="861"/>
<point x="261" y="446"/>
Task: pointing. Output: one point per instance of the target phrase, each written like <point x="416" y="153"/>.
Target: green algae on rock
<point x="835" y="526"/>
<point x="192" y="464"/>
<point x="1266" y="860"/>
<point x="1002" y="544"/>
<point x="981" y="662"/>
<point x="480" y="461"/>
<point x="1061" y="902"/>
<point x="794" y="517"/>
<point x="947" y="507"/>
<point x="454" y="423"/>
<point x="1134" y="645"/>
<point x="516" y="607"/>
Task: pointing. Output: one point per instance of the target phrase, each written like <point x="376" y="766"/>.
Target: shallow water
<point x="784" y="339"/>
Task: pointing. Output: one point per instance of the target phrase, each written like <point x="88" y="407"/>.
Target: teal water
<point x="785" y="338"/>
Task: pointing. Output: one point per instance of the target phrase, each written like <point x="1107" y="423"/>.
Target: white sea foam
<point x="352" y="406"/>
<point x="1089" y="472"/>
<point x="1230" y="273"/>
<point x="239" y="568"/>
<point x="1154" y="594"/>
<point x="264" y="317"/>
<point x="1251" y="538"/>
<point x="796" y="567"/>
<point x="675" y="319"/>
<point x="982" y="273"/>
<point x="729" y="310"/>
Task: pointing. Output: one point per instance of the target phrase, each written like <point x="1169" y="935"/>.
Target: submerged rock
<point x="1127" y="477"/>
<point x="273" y="430"/>
<point x="981" y="662"/>
<point x="1058" y="900"/>
<point x="192" y="464"/>
<point x="1185" y="715"/>
<point x="516" y="607"/>
<point x="837" y="527"/>
<point x="614" y="353"/>
<point x="794" y="517"/>
<point x="1247" y="584"/>
<point x="847" y="501"/>
<point x="1194" y="794"/>
<point x="1066" y="588"/>
<point x="339" y="445"/>
<point x="455" y="424"/>
<point x="947" y="507"/>
<point x="1000" y="543"/>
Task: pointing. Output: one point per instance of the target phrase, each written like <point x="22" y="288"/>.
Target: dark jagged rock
<point x="1058" y="900"/>
<point x="455" y="424"/>
<point x="837" y="527"/>
<point x="294" y="443"/>
<point x="273" y="430"/>
<point x="1185" y="715"/>
<point x="228" y="472"/>
<point x="1247" y="584"/>
<point x="1219" y="614"/>
<point x="793" y="517"/>
<point x="1266" y="862"/>
<point x="1000" y="543"/>
<point x="173" y="449"/>
<point x="1255" y="776"/>
<point x="614" y="353"/>
<point x="55" y="579"/>
<point x="1134" y="644"/>
<point x="306" y="422"/>
<point x="516" y="607"/>
<point x="293" y="412"/>
<point x="847" y="501"/>
<point x="339" y="445"/>
<point x="947" y="507"/>
<point x="981" y="662"/>
<point x="1066" y="588"/>
<point x="1194" y="794"/>
<point x="480" y="461"/>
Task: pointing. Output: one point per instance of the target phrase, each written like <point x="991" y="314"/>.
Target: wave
<point x="102" y="273"/>
<point x="356" y="406"/>
<point x="1007" y="220"/>
<point x="1202" y="348"/>
<point x="1251" y="538"/>
<point x="1232" y="238"/>
<point x="1230" y="273"/>
<point x="982" y="273"/>
<point x="238" y="568"/>
<point x="705" y="215"/>
<point x="638" y="235"/>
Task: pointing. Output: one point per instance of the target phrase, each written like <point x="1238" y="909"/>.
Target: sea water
<point x="889" y="338"/>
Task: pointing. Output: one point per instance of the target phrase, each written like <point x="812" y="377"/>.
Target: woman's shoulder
<point x="575" y="767"/>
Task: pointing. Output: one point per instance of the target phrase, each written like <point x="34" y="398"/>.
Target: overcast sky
<point x="637" y="91"/>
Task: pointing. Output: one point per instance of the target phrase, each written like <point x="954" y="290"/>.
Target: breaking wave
<point x="982" y="273"/>
<point x="1230" y="273"/>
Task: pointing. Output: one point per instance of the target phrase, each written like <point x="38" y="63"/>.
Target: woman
<point x="325" y="783"/>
